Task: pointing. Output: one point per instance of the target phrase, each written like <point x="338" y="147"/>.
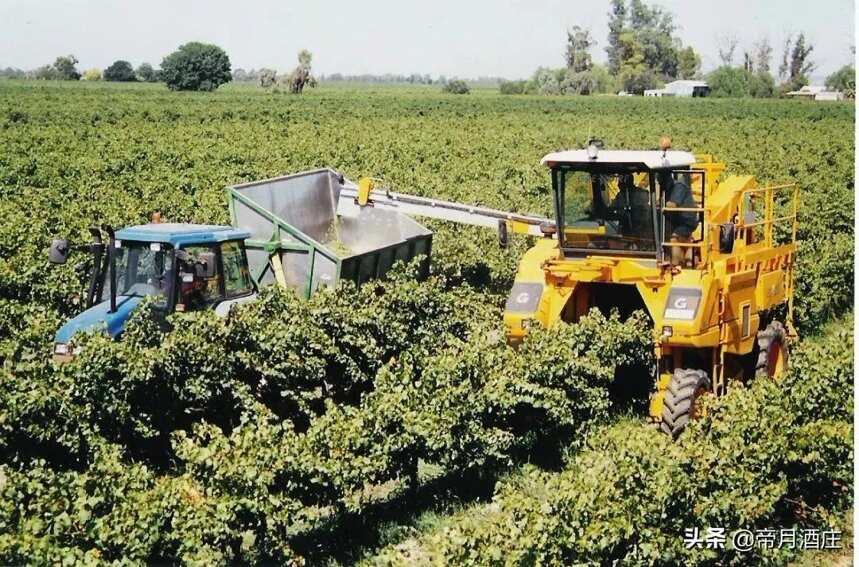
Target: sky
<point x="455" y="38"/>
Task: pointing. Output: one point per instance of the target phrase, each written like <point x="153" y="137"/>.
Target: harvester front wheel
<point x="772" y="351"/>
<point x="681" y="399"/>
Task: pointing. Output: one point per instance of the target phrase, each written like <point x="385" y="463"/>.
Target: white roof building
<point x="681" y="88"/>
<point x="652" y="159"/>
<point x="816" y="92"/>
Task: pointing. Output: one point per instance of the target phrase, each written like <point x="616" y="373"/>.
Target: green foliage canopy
<point x="146" y="73"/>
<point x="196" y="67"/>
<point x="120" y="71"/>
<point x="844" y="80"/>
<point x="736" y="82"/>
<point x="455" y="86"/>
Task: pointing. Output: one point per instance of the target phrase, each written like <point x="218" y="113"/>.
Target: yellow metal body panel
<point x="730" y="289"/>
<point x="657" y="400"/>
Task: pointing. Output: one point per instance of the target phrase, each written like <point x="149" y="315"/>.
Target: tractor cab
<point x="182" y="267"/>
<point x="611" y="203"/>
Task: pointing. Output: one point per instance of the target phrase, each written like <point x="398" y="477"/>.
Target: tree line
<point x="754" y="76"/>
<point x="644" y="52"/>
<point x="193" y="66"/>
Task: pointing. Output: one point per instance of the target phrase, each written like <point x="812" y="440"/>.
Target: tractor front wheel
<point x="772" y="351"/>
<point x="681" y="399"/>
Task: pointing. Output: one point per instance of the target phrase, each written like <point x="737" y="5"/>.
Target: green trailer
<point x="307" y="233"/>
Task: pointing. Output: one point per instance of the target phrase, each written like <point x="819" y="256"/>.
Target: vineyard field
<point x="294" y="431"/>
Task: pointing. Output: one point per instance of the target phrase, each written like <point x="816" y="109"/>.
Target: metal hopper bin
<point x="304" y="236"/>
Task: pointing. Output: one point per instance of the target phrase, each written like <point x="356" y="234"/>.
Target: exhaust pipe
<point x="111" y="259"/>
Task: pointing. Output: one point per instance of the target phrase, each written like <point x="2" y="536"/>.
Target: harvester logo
<point x="682" y="303"/>
<point x="524" y="297"/>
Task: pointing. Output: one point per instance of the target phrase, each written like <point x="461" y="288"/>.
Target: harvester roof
<point x="651" y="159"/>
<point x="179" y="234"/>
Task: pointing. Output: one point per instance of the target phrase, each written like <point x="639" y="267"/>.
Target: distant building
<point x="816" y="92"/>
<point x="681" y="88"/>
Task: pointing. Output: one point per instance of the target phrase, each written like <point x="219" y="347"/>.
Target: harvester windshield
<point x="609" y="211"/>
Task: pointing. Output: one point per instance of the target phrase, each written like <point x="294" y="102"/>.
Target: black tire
<point x="769" y="340"/>
<point x="678" y="406"/>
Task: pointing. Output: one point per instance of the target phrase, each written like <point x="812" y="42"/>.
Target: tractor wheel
<point x="772" y="351"/>
<point x="680" y="404"/>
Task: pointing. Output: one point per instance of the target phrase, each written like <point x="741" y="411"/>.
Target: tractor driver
<point x="681" y="224"/>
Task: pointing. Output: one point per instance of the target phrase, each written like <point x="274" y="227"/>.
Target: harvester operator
<point x="631" y="206"/>
<point x="681" y="224"/>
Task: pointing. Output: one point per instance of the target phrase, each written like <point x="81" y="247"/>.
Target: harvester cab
<point x="658" y="231"/>
<point x="182" y="267"/>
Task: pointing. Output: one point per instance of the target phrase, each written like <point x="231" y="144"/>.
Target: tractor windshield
<point x="142" y="269"/>
<point x="608" y="211"/>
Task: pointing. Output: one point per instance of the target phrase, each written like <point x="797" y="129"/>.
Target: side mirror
<point x="548" y="229"/>
<point x="727" y="234"/>
<point x="59" y="252"/>
<point x="205" y="267"/>
<point x="503" y="238"/>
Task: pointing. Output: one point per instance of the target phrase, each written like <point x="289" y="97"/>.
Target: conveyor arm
<point x="351" y="197"/>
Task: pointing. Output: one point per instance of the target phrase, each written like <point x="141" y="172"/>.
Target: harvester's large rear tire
<point x="680" y="404"/>
<point x="772" y="351"/>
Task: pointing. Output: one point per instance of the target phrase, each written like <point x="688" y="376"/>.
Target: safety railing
<point x="747" y="230"/>
<point x="699" y="244"/>
<point x="760" y="229"/>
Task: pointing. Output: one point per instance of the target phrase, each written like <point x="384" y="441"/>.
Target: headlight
<point x="61" y="348"/>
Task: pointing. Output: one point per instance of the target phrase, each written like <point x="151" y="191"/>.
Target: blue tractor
<point x="184" y="267"/>
<point x="305" y="232"/>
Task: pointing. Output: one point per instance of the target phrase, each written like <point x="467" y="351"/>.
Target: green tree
<point x="300" y="77"/>
<point x="547" y="81"/>
<point x="616" y="26"/>
<point x="795" y="64"/>
<point x="728" y="81"/>
<point x="120" y="71"/>
<point x="92" y="75"/>
<point x="736" y="82"/>
<point x="762" y="53"/>
<point x="761" y="84"/>
<point x="146" y="73"/>
<point x="578" y="77"/>
<point x="513" y="87"/>
<point x="45" y="73"/>
<point x="652" y="29"/>
<point x="578" y="56"/>
<point x="65" y="70"/>
<point x="267" y="78"/>
<point x="603" y="81"/>
<point x="844" y="80"/>
<point x="455" y="86"/>
<point x="800" y="64"/>
<point x="688" y="63"/>
<point x="196" y="67"/>
<point x="581" y="83"/>
<point x="635" y="76"/>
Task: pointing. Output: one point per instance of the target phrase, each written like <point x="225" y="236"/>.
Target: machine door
<point x="212" y="274"/>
